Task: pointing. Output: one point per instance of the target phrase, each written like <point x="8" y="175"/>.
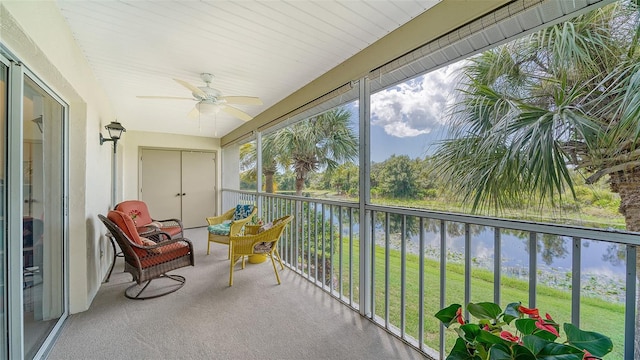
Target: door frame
<point x="17" y="72"/>
<point x="216" y="183"/>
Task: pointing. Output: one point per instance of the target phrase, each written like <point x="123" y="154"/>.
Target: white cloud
<point x="415" y="107"/>
<point x="400" y="129"/>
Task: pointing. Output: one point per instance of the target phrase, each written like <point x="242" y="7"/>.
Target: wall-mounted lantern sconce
<point x="115" y="130"/>
<point x="38" y="122"/>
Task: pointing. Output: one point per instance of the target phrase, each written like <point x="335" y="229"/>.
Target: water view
<point x="602" y="264"/>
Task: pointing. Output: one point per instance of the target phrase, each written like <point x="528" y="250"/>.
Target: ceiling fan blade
<point x="237" y="113"/>
<point x="165" y="97"/>
<point x="193" y="89"/>
<point x="193" y="114"/>
<point x="242" y="100"/>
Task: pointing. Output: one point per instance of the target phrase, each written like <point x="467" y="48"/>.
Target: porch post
<point x="259" y="172"/>
<point x="366" y="247"/>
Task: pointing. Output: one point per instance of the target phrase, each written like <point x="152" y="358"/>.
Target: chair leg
<point x="231" y="272"/>
<point x="208" y="245"/>
<point x="275" y="269"/>
<point x="279" y="259"/>
<point x="229" y="252"/>
<point x="138" y="296"/>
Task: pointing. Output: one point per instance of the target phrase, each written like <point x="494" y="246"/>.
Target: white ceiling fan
<point x="210" y="100"/>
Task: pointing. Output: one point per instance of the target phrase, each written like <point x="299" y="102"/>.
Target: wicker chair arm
<point x="219" y="219"/>
<point x="244" y="244"/>
<point x="157" y="236"/>
<point x="169" y="222"/>
<point x="163" y="243"/>
<point x="251" y="229"/>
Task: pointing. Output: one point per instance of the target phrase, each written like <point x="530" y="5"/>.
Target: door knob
<point x="183" y="194"/>
<point x="178" y="194"/>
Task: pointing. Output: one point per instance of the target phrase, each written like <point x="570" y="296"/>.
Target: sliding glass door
<point x="4" y="71"/>
<point x="42" y="214"/>
<point x="33" y="192"/>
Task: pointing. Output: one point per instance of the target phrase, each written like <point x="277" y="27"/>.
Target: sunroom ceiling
<point x="267" y="49"/>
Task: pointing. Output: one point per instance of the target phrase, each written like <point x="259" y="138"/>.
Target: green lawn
<point x="596" y="315"/>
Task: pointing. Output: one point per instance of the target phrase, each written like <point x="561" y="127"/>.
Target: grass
<point x="596" y="314"/>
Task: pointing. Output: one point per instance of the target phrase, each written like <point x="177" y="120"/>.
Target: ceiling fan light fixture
<point x="207" y="108"/>
<point x="209" y="101"/>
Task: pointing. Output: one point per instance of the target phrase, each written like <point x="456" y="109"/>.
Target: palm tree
<point x="322" y="142"/>
<point x="249" y="154"/>
<point x="565" y="97"/>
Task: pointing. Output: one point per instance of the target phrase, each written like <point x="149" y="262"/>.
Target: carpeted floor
<point x="207" y="319"/>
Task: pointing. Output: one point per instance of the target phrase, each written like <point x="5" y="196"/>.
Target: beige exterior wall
<point x="37" y="34"/>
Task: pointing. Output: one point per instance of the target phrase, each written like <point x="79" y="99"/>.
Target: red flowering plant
<point x="534" y="337"/>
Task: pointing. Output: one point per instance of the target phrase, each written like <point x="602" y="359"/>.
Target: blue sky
<point x="407" y="119"/>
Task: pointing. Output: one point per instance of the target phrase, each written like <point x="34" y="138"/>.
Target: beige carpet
<point x="207" y="319"/>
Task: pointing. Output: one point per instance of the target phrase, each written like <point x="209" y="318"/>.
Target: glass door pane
<point x="42" y="218"/>
<point x="3" y="228"/>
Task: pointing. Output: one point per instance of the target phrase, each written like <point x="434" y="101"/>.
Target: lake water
<point x="602" y="264"/>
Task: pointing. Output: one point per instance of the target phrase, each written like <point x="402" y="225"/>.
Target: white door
<point x="161" y="183"/>
<point x="179" y="184"/>
<point x="198" y="187"/>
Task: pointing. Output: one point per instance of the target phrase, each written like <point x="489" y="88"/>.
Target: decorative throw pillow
<point x="265" y="227"/>
<point x="242" y="212"/>
<point x="155" y="224"/>
<point x="262" y="247"/>
<point x="149" y="242"/>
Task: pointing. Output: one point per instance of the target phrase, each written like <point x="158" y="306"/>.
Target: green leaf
<point x="486" y="337"/>
<point x="526" y="326"/>
<point x="514" y="352"/>
<point x="448" y="314"/>
<point x="544" y="335"/>
<point x="460" y="352"/>
<point x="522" y="353"/>
<point x="500" y="352"/>
<point x="484" y="310"/>
<point x="534" y="343"/>
<point x="549" y="350"/>
<point x="595" y="343"/>
<point x="511" y="312"/>
<point x="469" y="332"/>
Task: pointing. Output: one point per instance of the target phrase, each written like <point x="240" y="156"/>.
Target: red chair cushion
<point x="165" y="253"/>
<point x="171" y="230"/>
<point x="125" y="223"/>
<point x="138" y="207"/>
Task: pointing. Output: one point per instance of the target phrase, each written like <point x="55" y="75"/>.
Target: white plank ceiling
<point x="267" y="49"/>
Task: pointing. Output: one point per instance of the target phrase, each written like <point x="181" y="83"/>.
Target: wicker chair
<point x="231" y="222"/>
<point x="147" y="260"/>
<point x="143" y="218"/>
<point x="257" y="242"/>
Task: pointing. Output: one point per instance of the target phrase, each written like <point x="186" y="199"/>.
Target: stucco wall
<point x="38" y="35"/>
